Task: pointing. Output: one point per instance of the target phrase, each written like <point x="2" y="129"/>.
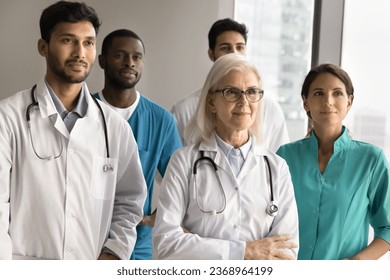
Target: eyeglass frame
<point x="245" y="92"/>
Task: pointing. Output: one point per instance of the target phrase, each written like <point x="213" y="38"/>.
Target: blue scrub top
<point x="157" y="138"/>
<point x="336" y="207"/>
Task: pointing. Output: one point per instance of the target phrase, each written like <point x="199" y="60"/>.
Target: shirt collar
<point x="227" y="148"/>
<point x="340" y="143"/>
<point x="81" y="106"/>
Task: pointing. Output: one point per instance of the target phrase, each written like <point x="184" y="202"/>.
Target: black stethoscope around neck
<point x="106" y="167"/>
<point x="271" y="209"/>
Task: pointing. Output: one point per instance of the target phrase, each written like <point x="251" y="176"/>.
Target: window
<point x="365" y="56"/>
<point x="279" y="43"/>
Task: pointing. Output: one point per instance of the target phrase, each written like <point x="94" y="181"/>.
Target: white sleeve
<point x="275" y="128"/>
<point x="179" y="119"/>
<point x="5" y="183"/>
<point x="184" y="110"/>
<point x="130" y="195"/>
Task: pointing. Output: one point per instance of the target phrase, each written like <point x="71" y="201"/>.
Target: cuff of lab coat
<point x="116" y="251"/>
<point x="236" y="250"/>
<point x="109" y="251"/>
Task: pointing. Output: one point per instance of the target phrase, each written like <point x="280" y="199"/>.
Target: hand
<point x="269" y="248"/>
<point x="107" y="256"/>
<point x="148" y="220"/>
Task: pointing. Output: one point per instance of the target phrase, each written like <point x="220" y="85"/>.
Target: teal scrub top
<point x="337" y="206"/>
<point x="157" y="137"/>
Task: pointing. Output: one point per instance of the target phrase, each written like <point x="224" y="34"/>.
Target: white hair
<point x="202" y="124"/>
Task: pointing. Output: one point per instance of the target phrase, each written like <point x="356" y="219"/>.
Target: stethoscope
<point x="106" y="167"/>
<point x="271" y="209"/>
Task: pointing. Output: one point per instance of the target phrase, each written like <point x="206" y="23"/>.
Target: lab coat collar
<point x="46" y="104"/>
<point x="210" y="145"/>
<point x="93" y="111"/>
<point x="47" y="107"/>
<point x="212" y="150"/>
<point x="48" y="110"/>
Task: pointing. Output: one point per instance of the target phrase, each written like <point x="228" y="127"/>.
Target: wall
<point x="174" y="33"/>
<point x="331" y="32"/>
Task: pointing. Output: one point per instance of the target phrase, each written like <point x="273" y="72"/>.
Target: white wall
<point x="174" y="33"/>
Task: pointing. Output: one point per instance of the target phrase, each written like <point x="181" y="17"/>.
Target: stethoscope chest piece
<point x="272" y="209"/>
<point x="108" y="168"/>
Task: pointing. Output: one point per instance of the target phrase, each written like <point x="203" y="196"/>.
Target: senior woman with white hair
<point x="226" y="196"/>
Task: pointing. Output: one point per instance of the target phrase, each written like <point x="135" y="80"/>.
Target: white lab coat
<point x="274" y="125"/>
<point x="66" y="208"/>
<point x="221" y="236"/>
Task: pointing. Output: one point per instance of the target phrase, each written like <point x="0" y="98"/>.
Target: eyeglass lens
<point x="234" y="94"/>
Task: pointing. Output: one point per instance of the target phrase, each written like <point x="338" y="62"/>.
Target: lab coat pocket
<point x="103" y="178"/>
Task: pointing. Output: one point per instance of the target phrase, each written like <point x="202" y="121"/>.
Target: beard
<point x="60" y="71"/>
<point x="119" y="83"/>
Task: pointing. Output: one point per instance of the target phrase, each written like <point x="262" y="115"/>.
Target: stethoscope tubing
<point x="195" y="170"/>
<point x="271" y="209"/>
<point x="107" y="166"/>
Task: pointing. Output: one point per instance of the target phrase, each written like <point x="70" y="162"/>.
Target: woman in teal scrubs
<point x="341" y="185"/>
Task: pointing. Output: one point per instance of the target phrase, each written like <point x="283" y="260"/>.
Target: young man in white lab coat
<point x="228" y="36"/>
<point x="71" y="184"/>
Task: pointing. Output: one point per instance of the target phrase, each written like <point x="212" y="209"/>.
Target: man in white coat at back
<point x="228" y="36"/>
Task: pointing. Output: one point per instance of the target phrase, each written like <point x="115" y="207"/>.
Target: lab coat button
<point x="235" y="226"/>
<point x="236" y="188"/>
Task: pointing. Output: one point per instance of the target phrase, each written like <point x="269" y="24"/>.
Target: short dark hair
<point x="107" y="42"/>
<point x="327" y="68"/>
<point x="63" y="11"/>
<point x="223" y="25"/>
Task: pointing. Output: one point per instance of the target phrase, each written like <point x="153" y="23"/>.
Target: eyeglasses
<point x="232" y="94"/>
